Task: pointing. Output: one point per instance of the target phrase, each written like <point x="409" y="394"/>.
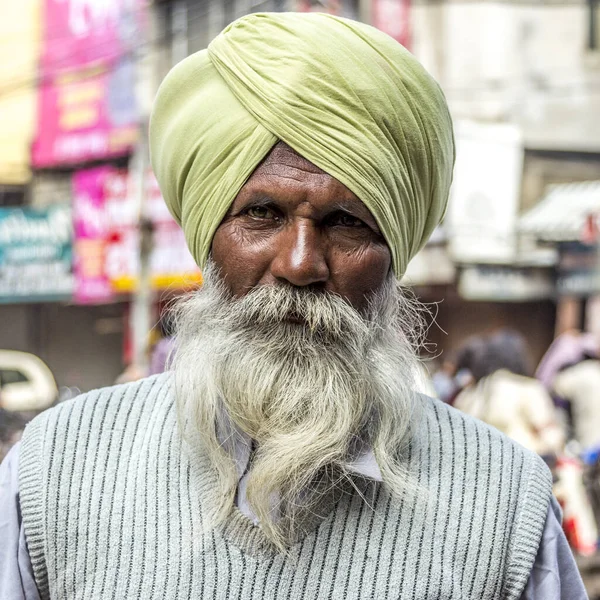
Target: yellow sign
<point x="19" y="49"/>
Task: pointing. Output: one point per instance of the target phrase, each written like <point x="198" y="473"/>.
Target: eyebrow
<point x="359" y="209"/>
<point x="353" y="207"/>
<point x="257" y="199"/>
<point x="260" y="199"/>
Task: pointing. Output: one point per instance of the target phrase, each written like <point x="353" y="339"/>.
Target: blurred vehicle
<point x="27" y="384"/>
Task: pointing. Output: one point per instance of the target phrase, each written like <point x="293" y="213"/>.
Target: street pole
<point x="141" y="318"/>
<point x="141" y="305"/>
<point x="179" y="31"/>
<point x="141" y="315"/>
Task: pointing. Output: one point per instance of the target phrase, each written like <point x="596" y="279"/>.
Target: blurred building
<point x="523" y="83"/>
<point x="74" y="174"/>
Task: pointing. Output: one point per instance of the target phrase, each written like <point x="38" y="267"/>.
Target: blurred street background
<point x="90" y="258"/>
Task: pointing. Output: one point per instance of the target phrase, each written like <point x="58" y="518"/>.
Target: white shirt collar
<point x="241" y="444"/>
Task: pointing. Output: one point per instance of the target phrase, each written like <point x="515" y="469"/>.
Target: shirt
<point x="579" y="385"/>
<point x="519" y="407"/>
<point x="554" y="575"/>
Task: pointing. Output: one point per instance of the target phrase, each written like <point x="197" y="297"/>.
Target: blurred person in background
<point x="567" y="349"/>
<point x="570" y="370"/>
<point x="287" y="455"/>
<point x="579" y="385"/>
<point x="164" y="345"/>
<point x="454" y="375"/>
<point x="503" y="395"/>
<point x="158" y="350"/>
<point x="443" y="381"/>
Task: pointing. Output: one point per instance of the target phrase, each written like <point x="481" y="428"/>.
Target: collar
<point x="240" y="444"/>
<point x="364" y="464"/>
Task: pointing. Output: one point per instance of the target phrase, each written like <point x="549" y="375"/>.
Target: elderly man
<point x="308" y="158"/>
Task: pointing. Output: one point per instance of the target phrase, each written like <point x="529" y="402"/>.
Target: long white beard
<point x="312" y="381"/>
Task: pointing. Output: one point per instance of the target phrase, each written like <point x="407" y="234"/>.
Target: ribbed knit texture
<point x="113" y="509"/>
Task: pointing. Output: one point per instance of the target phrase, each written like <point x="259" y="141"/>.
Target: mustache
<point x="314" y="312"/>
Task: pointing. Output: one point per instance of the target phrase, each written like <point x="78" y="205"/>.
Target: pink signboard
<point x="86" y="103"/>
<point x="106" y="225"/>
<point x="91" y="228"/>
<point x="393" y="17"/>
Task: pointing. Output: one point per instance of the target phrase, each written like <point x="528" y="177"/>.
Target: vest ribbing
<point x="113" y="508"/>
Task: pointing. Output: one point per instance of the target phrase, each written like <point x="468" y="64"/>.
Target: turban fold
<point x="342" y="94"/>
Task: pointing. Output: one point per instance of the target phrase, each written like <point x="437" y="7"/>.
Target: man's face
<point x="292" y="223"/>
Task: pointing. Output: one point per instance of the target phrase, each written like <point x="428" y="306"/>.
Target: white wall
<point x="515" y="62"/>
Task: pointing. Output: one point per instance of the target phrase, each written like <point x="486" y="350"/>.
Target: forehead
<point x="284" y="171"/>
<point x="282" y="158"/>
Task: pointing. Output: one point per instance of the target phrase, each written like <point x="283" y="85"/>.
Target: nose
<point x="301" y="255"/>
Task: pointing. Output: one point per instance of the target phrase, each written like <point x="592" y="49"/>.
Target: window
<point x="10" y="376"/>
<point x="594" y="25"/>
<point x="12" y="195"/>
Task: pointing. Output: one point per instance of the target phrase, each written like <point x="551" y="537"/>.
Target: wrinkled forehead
<point x="284" y="167"/>
<point x="284" y="161"/>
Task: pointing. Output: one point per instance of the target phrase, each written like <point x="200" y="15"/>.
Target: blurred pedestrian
<point x="567" y="349"/>
<point x="503" y="395"/>
<point x="308" y="158"/>
<point x="571" y="371"/>
<point x="466" y="354"/>
<point x="579" y="385"/>
<point x="444" y="382"/>
<point x="163" y="347"/>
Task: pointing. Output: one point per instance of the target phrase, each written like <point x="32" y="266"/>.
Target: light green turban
<point x="342" y="94"/>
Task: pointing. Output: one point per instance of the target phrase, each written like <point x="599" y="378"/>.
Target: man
<point x="308" y="158"/>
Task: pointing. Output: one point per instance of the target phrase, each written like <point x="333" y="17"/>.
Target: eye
<point x="344" y="219"/>
<point x="260" y="212"/>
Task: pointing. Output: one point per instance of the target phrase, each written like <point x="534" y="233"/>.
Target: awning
<point x="564" y="212"/>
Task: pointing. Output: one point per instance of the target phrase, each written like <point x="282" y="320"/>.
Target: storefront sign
<point x="86" y="103"/>
<point x="35" y="254"/>
<point x="91" y="227"/>
<point x="505" y="284"/>
<point x="171" y="264"/>
<point x="106" y="219"/>
<point x="578" y="270"/>
<point x="484" y="199"/>
<point x="431" y="266"/>
<point x="19" y="52"/>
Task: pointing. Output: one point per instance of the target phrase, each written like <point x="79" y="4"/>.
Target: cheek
<point x="365" y="270"/>
<point x="242" y="264"/>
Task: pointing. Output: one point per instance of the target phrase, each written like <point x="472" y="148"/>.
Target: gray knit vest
<point x="113" y="509"/>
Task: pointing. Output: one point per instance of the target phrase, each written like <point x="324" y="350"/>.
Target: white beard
<point x="311" y="392"/>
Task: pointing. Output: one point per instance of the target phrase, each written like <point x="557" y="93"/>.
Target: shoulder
<point x="90" y="440"/>
<point x="454" y="430"/>
<point x="493" y="477"/>
<point x="99" y="413"/>
<point x="151" y="392"/>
